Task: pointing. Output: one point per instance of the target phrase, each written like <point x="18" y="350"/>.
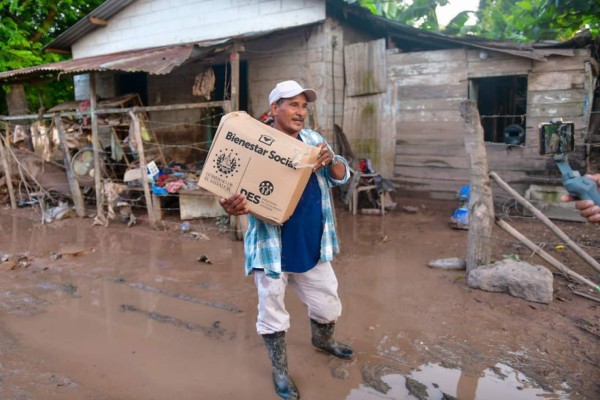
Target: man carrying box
<point x="299" y="252"/>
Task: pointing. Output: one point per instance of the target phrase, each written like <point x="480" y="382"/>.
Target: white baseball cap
<point x="287" y="89"/>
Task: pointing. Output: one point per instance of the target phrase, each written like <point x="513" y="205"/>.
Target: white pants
<point x="316" y="288"/>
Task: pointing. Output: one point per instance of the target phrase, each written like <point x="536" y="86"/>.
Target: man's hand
<point x="325" y="157"/>
<point x="235" y="205"/>
<point x="588" y="209"/>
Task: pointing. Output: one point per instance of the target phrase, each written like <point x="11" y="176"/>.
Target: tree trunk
<point x="17" y="105"/>
<point x="16" y="100"/>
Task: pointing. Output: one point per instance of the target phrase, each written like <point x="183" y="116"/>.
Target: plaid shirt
<point x="262" y="243"/>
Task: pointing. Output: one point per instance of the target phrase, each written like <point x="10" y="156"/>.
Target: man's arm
<point x="588" y="209"/>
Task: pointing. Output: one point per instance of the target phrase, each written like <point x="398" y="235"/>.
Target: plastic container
<point x="185" y="227"/>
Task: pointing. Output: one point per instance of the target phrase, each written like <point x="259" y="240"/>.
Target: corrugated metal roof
<point x="156" y="61"/>
<point x="84" y="26"/>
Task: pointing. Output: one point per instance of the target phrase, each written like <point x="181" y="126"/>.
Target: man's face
<point x="289" y="114"/>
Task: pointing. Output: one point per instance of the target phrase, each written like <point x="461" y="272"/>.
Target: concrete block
<point x="546" y="198"/>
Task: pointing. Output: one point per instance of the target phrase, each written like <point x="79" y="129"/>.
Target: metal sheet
<point x="156" y="61"/>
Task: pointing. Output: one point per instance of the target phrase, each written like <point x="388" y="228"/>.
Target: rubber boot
<point x="284" y="385"/>
<point x="322" y="339"/>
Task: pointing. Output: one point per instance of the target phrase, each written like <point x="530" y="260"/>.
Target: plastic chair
<point x="362" y="182"/>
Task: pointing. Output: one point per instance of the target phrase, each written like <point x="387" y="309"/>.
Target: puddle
<point x="434" y="382"/>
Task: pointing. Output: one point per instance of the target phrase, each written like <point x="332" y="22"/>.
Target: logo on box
<point x="268" y="140"/>
<point x="266" y="188"/>
<point x="226" y="162"/>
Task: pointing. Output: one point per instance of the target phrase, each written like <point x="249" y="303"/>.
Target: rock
<point x="416" y="388"/>
<point x="448" y="263"/>
<point x="518" y="278"/>
<point x="410" y="209"/>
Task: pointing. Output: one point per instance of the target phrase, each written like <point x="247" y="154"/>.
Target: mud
<point x="136" y="316"/>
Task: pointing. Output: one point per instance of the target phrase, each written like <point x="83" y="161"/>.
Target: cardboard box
<point x="270" y="167"/>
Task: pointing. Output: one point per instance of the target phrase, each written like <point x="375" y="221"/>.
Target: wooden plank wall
<point x="427" y="89"/>
<point x="430" y="154"/>
<point x="365" y="73"/>
<point x="364" y="102"/>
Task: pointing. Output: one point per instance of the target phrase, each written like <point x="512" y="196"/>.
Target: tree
<point x="25" y="27"/>
<point x="418" y="13"/>
<point x="523" y="21"/>
<point x="536" y="20"/>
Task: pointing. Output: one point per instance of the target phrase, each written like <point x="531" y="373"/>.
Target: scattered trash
<point x="559" y="247"/>
<point x="410" y="209"/>
<point x="453" y="263"/>
<point x="185" y="227"/>
<point x="70" y="251"/>
<point x="514" y="257"/>
<point x="59" y="212"/>
<point x="199" y="235"/>
<point x="204" y="258"/>
<point x="10" y="263"/>
<point x="370" y="211"/>
<point x="460" y="216"/>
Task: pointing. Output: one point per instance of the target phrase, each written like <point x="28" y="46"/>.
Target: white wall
<point x="151" y="23"/>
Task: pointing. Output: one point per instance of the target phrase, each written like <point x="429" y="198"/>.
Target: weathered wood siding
<point x="425" y="91"/>
<point x="427" y="88"/>
<point x="365" y="73"/>
<point x="365" y="102"/>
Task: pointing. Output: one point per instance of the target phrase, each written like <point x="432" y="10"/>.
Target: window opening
<point x="502" y="104"/>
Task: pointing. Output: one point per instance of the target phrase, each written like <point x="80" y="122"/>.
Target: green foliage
<point x="537" y="20"/>
<point x="25" y="27"/>
<point x="418" y="13"/>
<point x="522" y="21"/>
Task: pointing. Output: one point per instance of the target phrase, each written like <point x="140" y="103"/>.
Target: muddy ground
<point x="130" y="313"/>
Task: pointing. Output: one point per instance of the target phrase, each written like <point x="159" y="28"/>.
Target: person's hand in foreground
<point x="588" y="209"/>
<point x="235" y="205"/>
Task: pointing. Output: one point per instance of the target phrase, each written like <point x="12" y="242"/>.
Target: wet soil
<point x="131" y="313"/>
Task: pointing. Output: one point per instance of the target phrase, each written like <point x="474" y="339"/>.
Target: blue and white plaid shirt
<point x="262" y="243"/>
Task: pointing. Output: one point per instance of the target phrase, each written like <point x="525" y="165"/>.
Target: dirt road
<point x="130" y="313"/>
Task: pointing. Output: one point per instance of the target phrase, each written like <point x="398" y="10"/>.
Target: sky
<point x="446" y="13"/>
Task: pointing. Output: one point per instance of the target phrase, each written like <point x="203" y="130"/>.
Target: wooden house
<point x="393" y="89"/>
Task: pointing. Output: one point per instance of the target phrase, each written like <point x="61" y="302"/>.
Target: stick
<point x="578" y="250"/>
<point x="73" y="184"/>
<point x="547" y="257"/>
<point x="7" y="172"/>
<point x="100" y="217"/>
<point x="143" y="167"/>
<point x="587" y="296"/>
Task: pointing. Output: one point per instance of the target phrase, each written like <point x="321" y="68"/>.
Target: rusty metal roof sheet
<point x="156" y="61"/>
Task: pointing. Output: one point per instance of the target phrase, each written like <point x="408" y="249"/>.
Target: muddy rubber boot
<point x="284" y="385"/>
<point x="322" y="339"/>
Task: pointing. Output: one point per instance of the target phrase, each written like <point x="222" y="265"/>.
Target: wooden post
<point x="7" y="171"/>
<point x="481" y="206"/>
<point x="239" y="224"/>
<point x="143" y="168"/>
<point x="100" y="217"/>
<point x="73" y="184"/>
<point x="234" y="60"/>
<point x="557" y="231"/>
